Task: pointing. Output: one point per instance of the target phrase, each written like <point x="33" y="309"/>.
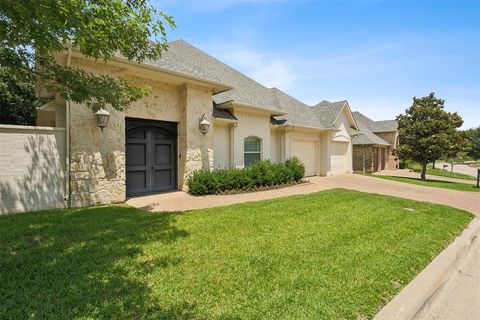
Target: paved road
<point x="460" y="168"/>
<point x="412" y="174"/>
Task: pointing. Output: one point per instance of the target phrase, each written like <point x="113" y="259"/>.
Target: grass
<point x="442" y="173"/>
<point x="330" y="255"/>
<point x="432" y="183"/>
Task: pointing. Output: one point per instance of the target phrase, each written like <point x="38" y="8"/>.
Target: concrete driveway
<point x="181" y="201"/>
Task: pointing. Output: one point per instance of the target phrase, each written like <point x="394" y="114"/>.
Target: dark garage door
<point x="151" y="153"/>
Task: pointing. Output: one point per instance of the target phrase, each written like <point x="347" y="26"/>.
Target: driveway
<point x="181" y="201"/>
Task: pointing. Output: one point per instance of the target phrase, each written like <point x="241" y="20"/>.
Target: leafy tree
<point x="17" y="99"/>
<point x="32" y="32"/>
<point x="474" y="138"/>
<point x="425" y="130"/>
<point x="457" y="151"/>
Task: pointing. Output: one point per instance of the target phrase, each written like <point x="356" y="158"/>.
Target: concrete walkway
<point x="448" y="288"/>
<point x="412" y="174"/>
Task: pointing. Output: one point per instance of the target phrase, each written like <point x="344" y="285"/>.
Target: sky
<point x="376" y="54"/>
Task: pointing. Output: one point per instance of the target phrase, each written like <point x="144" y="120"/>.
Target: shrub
<point x="297" y="168"/>
<point x="260" y="174"/>
<point x="203" y="182"/>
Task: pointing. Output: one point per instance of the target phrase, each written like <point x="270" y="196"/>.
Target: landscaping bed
<point x="335" y="254"/>
<point x="262" y="175"/>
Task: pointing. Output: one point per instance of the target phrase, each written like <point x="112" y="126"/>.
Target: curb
<point x="414" y="301"/>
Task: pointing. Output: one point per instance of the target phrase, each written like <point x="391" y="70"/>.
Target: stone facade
<point x="97" y="158"/>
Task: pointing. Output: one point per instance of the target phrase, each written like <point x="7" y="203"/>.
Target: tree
<point x="474" y="138"/>
<point x="32" y="31"/>
<point x="457" y="151"/>
<point x="17" y="99"/>
<point x="425" y="130"/>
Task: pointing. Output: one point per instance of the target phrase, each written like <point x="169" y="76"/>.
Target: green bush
<point x="260" y="174"/>
<point x="203" y="182"/>
<point x="297" y="168"/>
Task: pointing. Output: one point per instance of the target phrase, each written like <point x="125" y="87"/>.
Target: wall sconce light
<point x="102" y="116"/>
<point x="204" y="125"/>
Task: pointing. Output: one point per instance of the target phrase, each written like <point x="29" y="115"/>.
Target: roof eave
<point x="231" y="104"/>
<point x="218" y="87"/>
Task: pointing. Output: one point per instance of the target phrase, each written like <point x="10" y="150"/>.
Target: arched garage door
<point x="338" y="161"/>
<point x="305" y="151"/>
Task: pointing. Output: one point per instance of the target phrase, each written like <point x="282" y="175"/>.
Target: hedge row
<point x="260" y="174"/>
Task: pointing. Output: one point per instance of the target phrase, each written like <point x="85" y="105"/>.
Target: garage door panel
<point x="305" y="151"/>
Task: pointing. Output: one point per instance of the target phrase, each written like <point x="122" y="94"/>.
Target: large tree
<point x="32" y="31"/>
<point x="17" y="99"/>
<point x="474" y="138"/>
<point x="426" y="130"/>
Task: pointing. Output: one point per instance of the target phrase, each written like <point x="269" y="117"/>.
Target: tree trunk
<point x="433" y="164"/>
<point x="451" y="166"/>
<point x="424" y="170"/>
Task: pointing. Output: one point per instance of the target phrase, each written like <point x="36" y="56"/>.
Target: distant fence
<point x="32" y="168"/>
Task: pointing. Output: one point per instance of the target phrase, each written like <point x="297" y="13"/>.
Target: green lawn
<point x="330" y="255"/>
<point x="433" y="183"/>
<point x="442" y="173"/>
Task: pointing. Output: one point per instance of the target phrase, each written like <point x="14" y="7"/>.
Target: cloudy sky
<point x="376" y="54"/>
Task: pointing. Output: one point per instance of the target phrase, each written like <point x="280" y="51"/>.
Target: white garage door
<point x="339" y="157"/>
<point x="305" y="151"/>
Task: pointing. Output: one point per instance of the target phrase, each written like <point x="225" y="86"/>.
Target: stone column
<point x="195" y="149"/>
<point x="97" y="158"/>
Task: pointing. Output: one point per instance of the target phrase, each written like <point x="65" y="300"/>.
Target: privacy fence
<point x="32" y="168"/>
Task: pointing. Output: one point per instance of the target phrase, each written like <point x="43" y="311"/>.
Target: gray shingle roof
<point x="182" y="57"/>
<point x="376" y="126"/>
<point x="246" y="90"/>
<point x="174" y="60"/>
<point x="367" y="137"/>
<point x="367" y="127"/>
<point x="328" y="111"/>
<point x="223" y="114"/>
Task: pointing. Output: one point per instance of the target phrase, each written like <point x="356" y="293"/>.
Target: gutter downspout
<point x="67" y="148"/>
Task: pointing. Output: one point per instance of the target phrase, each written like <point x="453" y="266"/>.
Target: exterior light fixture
<point x="204" y="125"/>
<point x="102" y="116"/>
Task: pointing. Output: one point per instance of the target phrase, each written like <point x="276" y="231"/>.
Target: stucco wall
<point x="276" y="146"/>
<point x="251" y="124"/>
<point x="222" y="145"/>
<point x="32" y="168"/>
<point x="342" y="124"/>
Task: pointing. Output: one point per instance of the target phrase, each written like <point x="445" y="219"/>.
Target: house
<point x="155" y="144"/>
<point x="373" y="149"/>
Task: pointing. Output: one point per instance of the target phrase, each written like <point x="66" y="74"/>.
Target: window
<point x="251" y="151"/>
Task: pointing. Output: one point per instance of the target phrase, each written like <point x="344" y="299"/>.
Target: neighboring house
<point x="156" y="143"/>
<point x="373" y="147"/>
